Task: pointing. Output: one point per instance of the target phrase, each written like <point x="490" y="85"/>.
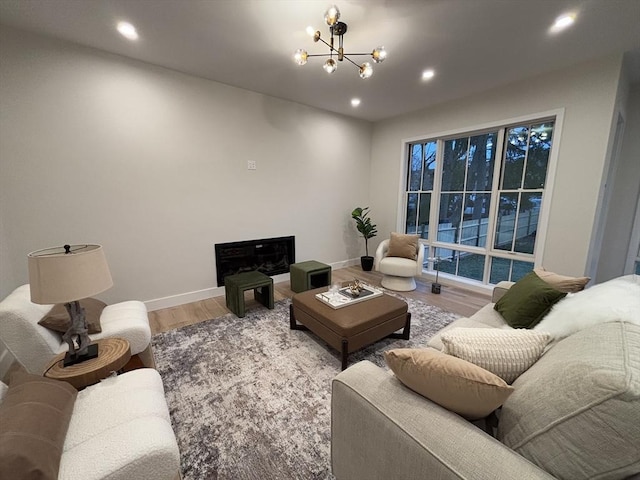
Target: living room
<point x="151" y="162"/>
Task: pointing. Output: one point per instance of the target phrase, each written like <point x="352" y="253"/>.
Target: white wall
<point x="587" y="94"/>
<point x="625" y="188"/>
<point x="152" y="164"/>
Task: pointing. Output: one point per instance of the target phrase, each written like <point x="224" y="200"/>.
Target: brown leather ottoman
<point x="353" y="327"/>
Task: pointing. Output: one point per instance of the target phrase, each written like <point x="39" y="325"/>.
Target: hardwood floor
<point x="453" y="299"/>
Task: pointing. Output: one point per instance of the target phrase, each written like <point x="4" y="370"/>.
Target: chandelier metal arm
<point x="330" y="54"/>
<point x="347" y="58"/>
<point x="330" y="45"/>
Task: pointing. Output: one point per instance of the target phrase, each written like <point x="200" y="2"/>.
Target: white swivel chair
<point x="399" y="273"/>
<point x="34" y="346"/>
<point x="120" y="429"/>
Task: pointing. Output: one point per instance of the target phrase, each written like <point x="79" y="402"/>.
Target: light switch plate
<point x="251" y="165"/>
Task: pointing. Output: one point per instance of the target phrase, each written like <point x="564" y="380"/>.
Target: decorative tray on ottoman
<point x="343" y="297"/>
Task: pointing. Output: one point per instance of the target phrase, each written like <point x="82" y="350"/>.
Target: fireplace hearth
<point x="271" y="256"/>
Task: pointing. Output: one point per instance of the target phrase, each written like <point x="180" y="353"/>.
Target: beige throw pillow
<point x="58" y="318"/>
<point x="561" y="282"/>
<point x="507" y="353"/>
<point x="403" y="245"/>
<point x="453" y="383"/>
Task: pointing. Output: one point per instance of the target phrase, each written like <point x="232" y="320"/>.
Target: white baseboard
<point x="198" y="295"/>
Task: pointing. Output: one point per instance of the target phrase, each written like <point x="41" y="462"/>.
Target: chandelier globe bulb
<point x="330" y="65"/>
<point x="379" y="54"/>
<point x="332" y="15"/>
<point x="300" y="56"/>
<point x="366" y="70"/>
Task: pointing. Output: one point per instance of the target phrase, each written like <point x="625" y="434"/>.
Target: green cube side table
<point x="236" y="285"/>
<point x="308" y="275"/>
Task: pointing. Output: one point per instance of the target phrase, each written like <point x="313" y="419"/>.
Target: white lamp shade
<point x="59" y="277"/>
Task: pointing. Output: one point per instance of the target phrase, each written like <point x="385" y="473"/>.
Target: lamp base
<point x="435" y="288"/>
<point x="72" y="359"/>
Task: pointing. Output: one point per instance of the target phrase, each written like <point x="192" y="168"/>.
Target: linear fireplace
<point x="270" y="256"/>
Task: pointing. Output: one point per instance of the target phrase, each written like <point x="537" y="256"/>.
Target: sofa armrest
<point x="500" y="289"/>
<point x="380" y="429"/>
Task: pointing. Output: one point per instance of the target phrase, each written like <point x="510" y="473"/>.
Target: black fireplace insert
<point x="270" y="256"/>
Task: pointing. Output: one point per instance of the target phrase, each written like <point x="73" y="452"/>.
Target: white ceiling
<point x="473" y="45"/>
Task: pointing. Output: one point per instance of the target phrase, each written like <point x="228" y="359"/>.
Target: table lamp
<point x="66" y="275"/>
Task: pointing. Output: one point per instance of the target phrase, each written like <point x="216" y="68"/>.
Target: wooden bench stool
<point x="308" y="275"/>
<point x="236" y="285"/>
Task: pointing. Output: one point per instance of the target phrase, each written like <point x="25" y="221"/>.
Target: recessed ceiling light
<point x="355" y="102"/>
<point x="562" y="22"/>
<point x="428" y="74"/>
<point x="127" y="30"/>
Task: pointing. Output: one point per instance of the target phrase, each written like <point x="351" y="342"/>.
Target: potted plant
<point x="367" y="230"/>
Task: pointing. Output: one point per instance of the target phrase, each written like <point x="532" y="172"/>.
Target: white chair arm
<point x="121" y="430"/>
<point x="381" y="252"/>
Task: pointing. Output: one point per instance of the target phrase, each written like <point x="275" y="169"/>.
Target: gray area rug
<point x="251" y="399"/>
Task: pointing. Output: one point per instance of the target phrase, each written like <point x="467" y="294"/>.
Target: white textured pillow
<point x="507" y="353"/>
<point x="617" y="299"/>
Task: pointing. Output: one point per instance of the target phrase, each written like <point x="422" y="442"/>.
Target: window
<point x="475" y="199"/>
<point x="421" y="170"/>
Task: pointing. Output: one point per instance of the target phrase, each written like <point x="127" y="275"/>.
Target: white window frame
<point x="557" y="115"/>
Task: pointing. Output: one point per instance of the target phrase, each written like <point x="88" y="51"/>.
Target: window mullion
<point x="435" y="196"/>
<point x="495" y="190"/>
<point x="495" y="199"/>
<point x="525" y="161"/>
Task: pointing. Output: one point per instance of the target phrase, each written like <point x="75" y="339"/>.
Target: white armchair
<point x="120" y="429"/>
<point x="34" y="346"/>
<point x="399" y="273"/>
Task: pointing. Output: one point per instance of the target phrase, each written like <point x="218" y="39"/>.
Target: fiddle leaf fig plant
<point x="363" y="224"/>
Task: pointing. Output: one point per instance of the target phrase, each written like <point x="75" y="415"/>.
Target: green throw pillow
<point x="527" y="301"/>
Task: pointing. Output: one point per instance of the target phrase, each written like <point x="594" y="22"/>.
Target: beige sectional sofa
<point x="574" y="414"/>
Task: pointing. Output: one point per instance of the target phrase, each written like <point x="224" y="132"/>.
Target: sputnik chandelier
<point x="338" y="29"/>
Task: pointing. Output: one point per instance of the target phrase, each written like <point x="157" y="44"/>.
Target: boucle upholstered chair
<point x="34" y="346"/>
<point x="399" y="272"/>
<point x="119" y="429"/>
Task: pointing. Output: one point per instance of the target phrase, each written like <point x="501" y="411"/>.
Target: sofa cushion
<point x="453" y="383"/>
<point x="576" y="412"/>
<point x="617" y="299"/>
<point x="527" y="301"/>
<point x="507" y="353"/>
<point x="34" y="418"/>
<point x="403" y="245"/>
<point x="562" y="282"/>
<point x="58" y="318"/>
<point x="486" y="317"/>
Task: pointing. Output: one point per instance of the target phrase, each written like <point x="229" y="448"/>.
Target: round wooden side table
<point x="113" y="355"/>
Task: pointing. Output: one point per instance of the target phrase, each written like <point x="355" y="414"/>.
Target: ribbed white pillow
<point x="506" y="353"/>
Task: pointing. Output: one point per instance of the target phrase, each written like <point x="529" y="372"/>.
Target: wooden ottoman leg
<point x="406" y="331"/>
<point x="345" y="352"/>
<point x="293" y="325"/>
<point x="407" y="328"/>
